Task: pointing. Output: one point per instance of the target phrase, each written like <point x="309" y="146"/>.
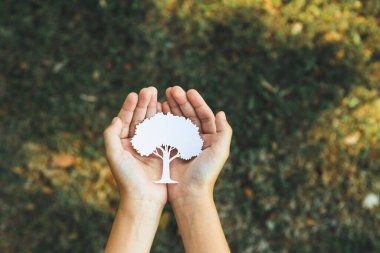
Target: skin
<point x="141" y="200"/>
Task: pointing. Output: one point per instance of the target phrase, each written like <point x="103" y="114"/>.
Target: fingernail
<point x="223" y="115"/>
<point x="114" y="120"/>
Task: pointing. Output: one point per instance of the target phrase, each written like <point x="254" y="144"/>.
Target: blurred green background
<point x="299" y="81"/>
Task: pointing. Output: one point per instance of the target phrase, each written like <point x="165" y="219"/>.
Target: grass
<point x="299" y="83"/>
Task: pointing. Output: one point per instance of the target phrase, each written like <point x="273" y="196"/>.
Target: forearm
<point x="134" y="227"/>
<point x="199" y="225"/>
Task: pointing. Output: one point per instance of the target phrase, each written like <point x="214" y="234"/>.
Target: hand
<point x="197" y="177"/>
<point x="137" y="218"/>
<point x="133" y="173"/>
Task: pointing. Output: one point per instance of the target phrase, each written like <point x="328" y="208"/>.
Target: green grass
<point x="295" y="79"/>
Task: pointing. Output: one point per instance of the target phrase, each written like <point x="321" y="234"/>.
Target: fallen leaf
<point x="88" y="98"/>
<point x="248" y="192"/>
<point x="63" y="160"/>
<point x="296" y="28"/>
<point x="110" y="179"/>
<point x="59" y="66"/>
<point x="352" y="139"/>
<point x="164" y="220"/>
<point x="24" y="65"/>
<point x="30" y="206"/>
<point x="310" y="222"/>
<point x="47" y="190"/>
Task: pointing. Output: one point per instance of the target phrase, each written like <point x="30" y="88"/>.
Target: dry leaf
<point x="310" y="222"/>
<point x="352" y="139"/>
<point x="248" y="192"/>
<point x="164" y="221"/>
<point x="63" y="160"/>
<point x="110" y="179"/>
<point x="47" y="190"/>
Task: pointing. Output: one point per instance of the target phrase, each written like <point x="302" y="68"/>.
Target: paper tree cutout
<point x="161" y="135"/>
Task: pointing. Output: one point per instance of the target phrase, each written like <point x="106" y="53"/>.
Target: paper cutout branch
<point x="161" y="135"/>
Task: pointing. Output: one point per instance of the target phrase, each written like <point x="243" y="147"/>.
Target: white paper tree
<point x="162" y="134"/>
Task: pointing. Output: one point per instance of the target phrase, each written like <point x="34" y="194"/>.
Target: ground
<point x="298" y="80"/>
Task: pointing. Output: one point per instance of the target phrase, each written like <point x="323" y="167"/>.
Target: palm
<point x="133" y="173"/>
<point x="202" y="171"/>
<point x="194" y="173"/>
<point x="145" y="171"/>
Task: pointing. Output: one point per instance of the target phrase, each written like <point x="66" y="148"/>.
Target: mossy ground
<point x="298" y="80"/>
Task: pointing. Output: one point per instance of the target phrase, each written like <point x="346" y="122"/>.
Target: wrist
<point x="138" y="208"/>
<point x="135" y="225"/>
<point x="190" y="194"/>
<point x="192" y="203"/>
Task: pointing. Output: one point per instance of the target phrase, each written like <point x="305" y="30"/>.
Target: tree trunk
<point x="165" y="179"/>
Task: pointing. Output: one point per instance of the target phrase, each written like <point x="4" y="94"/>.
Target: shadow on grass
<point x="59" y="222"/>
<point x="68" y="66"/>
<point x="35" y="222"/>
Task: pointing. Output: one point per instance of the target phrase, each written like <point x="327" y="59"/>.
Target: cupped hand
<point x="133" y="173"/>
<point x="197" y="176"/>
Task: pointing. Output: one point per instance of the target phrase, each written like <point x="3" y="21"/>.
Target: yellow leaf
<point x="110" y="179"/>
<point x="164" y="221"/>
<point x="332" y="37"/>
<point x="296" y="28"/>
<point x="352" y="139"/>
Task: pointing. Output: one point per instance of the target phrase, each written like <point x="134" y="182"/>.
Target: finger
<point x="204" y="113"/>
<point x="126" y="113"/>
<point x="112" y="138"/>
<point x="165" y="108"/>
<point x="141" y="108"/>
<point x="187" y="109"/>
<point x="152" y="106"/>
<point x="159" y="107"/>
<point x="221" y="123"/>
<point x="224" y="131"/>
<point x="174" y="107"/>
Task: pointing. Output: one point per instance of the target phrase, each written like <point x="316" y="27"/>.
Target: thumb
<point x="223" y="129"/>
<point x="112" y="138"/>
<point x="222" y="125"/>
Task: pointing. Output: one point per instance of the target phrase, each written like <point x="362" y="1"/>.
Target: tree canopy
<point x="167" y="129"/>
